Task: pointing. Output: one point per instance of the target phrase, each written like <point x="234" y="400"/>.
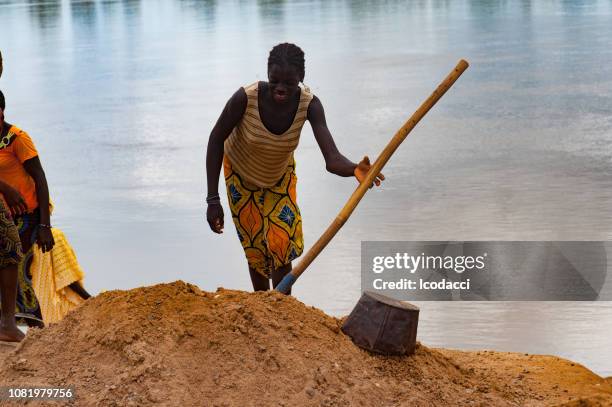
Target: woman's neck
<point x="4" y="128"/>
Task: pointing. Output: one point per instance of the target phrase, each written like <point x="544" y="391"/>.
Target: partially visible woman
<point x="27" y="199"/>
<point x="10" y="255"/>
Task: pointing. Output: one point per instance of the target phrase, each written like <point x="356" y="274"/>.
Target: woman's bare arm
<point x="229" y="118"/>
<point x="34" y="168"/>
<point x="335" y="162"/>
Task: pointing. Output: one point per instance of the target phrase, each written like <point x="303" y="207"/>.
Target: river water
<point x="120" y="97"/>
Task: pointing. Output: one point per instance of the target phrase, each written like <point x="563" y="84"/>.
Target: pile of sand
<point x="173" y="344"/>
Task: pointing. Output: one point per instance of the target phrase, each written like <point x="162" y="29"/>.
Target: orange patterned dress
<point x="267" y="220"/>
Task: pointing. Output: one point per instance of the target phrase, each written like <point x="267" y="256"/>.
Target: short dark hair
<point x="287" y="54"/>
<point x="2" y="101"/>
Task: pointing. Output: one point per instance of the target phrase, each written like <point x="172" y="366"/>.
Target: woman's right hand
<point x="14" y="200"/>
<point x="214" y="216"/>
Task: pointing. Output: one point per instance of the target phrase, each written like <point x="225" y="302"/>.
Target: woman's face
<point x="284" y="82"/>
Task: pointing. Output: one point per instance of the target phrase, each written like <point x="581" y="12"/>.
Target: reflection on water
<point x="44" y="14"/>
<point x="120" y="97"/>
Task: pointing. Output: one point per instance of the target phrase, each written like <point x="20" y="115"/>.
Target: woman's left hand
<point x="45" y="239"/>
<point x="362" y="170"/>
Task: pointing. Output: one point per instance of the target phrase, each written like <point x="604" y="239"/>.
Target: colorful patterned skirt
<point x="16" y="237"/>
<point x="267" y="220"/>
<point x="10" y="244"/>
<point x="27" y="303"/>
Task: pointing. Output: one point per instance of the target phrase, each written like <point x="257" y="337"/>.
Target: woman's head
<point x="285" y="71"/>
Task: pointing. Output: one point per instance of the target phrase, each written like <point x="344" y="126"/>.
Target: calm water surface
<point x="120" y="97"/>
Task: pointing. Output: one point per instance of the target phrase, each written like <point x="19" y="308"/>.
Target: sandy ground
<point x="548" y="380"/>
<point x="173" y="344"/>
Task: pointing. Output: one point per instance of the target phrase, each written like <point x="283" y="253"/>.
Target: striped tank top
<point x="258" y="155"/>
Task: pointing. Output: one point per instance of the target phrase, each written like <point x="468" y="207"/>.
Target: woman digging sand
<point x="254" y="139"/>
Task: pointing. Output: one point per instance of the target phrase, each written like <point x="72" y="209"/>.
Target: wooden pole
<point x="285" y="285"/>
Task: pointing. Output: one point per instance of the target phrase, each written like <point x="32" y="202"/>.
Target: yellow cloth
<point x="52" y="273"/>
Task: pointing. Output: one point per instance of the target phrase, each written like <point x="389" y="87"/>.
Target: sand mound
<point x="173" y="344"/>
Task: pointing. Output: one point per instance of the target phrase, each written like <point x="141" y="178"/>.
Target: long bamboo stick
<point x="287" y="282"/>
